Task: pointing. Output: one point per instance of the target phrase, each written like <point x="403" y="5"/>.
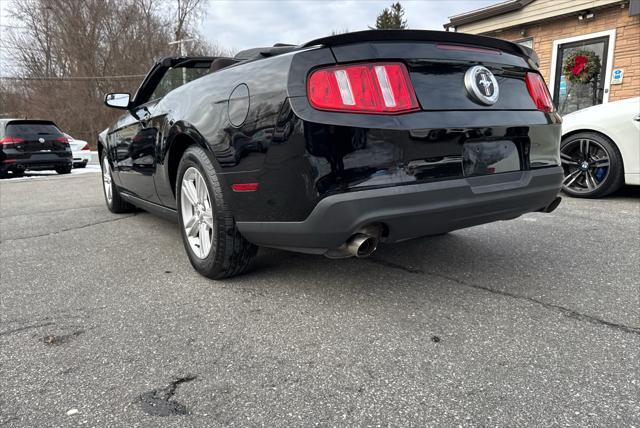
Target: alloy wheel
<point x="106" y="180"/>
<point x="586" y="165"/>
<point x="197" y="214"/>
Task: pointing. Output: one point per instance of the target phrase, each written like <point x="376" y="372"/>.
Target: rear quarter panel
<point x="200" y="109"/>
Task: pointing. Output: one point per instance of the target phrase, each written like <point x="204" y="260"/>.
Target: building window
<point x="528" y="42"/>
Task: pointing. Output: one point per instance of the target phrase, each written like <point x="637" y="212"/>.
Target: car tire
<point x="82" y="165"/>
<point x="584" y="176"/>
<point x="112" y="197"/>
<point x="229" y="253"/>
<point x="64" y="169"/>
<point x="18" y="173"/>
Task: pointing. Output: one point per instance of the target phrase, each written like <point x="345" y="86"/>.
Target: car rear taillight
<point x="62" y="140"/>
<point x="363" y="88"/>
<point x="539" y="92"/>
<point x="86" y="147"/>
<point x="10" y="141"/>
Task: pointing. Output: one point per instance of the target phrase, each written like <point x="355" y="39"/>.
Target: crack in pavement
<point x="66" y="313"/>
<point x="69" y="229"/>
<point x="53" y="339"/>
<point x="158" y="402"/>
<point x="563" y="310"/>
<point x="26" y="327"/>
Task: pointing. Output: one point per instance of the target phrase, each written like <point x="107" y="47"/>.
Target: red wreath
<point x="579" y="64"/>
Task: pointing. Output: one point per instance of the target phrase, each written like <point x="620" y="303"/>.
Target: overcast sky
<point x="242" y="24"/>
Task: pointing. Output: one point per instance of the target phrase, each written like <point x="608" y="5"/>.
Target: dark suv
<point x="33" y="144"/>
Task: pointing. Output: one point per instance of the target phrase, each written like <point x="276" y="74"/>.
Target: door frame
<point x="608" y="68"/>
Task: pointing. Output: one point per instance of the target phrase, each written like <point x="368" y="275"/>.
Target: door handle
<point x="637" y="117"/>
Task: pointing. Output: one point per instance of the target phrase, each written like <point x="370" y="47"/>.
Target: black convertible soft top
<point x="258" y="53"/>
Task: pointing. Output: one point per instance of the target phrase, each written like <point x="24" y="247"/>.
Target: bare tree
<point x="185" y="15"/>
<point x="70" y="52"/>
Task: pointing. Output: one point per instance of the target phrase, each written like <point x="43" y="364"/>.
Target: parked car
<point x="34" y="145"/>
<point x="600" y="148"/>
<point x="81" y="151"/>
<point x="377" y="136"/>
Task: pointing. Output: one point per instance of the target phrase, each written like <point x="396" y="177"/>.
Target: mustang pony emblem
<point x="486" y="84"/>
<point x="481" y="85"/>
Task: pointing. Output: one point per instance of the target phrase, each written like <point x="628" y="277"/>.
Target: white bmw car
<point x="81" y="151"/>
<point x="600" y="148"/>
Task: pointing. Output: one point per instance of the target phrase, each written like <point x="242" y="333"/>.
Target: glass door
<point x="569" y="96"/>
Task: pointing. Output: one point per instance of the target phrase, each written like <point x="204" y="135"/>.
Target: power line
<point x="126" y="76"/>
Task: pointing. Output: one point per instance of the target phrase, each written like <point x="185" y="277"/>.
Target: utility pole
<point x="182" y="53"/>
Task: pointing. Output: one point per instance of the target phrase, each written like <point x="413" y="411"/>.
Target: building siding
<point x="538" y="10"/>
<point x="626" y="50"/>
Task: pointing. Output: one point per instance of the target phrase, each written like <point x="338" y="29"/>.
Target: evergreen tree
<point x="392" y="18"/>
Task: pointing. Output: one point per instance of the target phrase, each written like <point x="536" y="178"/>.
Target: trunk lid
<point x="440" y="85"/>
<point x="438" y="61"/>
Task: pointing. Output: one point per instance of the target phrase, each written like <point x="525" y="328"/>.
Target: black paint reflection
<point x="142" y="147"/>
<point x="486" y="157"/>
<point x="242" y="145"/>
<point x="359" y="157"/>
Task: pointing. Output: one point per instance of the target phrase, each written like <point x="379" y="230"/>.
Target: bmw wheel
<point x="213" y="244"/>
<point x="592" y="165"/>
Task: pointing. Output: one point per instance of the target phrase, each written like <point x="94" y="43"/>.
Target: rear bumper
<point x="412" y="211"/>
<point x="39" y="163"/>
<point x="81" y="156"/>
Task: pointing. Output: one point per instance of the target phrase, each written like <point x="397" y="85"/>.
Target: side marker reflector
<point x="244" y="187"/>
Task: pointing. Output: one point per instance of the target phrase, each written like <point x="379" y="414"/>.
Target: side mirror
<point x="117" y="100"/>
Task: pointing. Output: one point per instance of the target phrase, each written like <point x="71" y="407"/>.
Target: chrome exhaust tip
<point x="361" y="245"/>
<point x="552" y="206"/>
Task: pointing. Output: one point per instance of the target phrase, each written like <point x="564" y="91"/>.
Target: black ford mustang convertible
<point x="335" y="145"/>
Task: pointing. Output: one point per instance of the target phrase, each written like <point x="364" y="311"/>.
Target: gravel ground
<point x="103" y="322"/>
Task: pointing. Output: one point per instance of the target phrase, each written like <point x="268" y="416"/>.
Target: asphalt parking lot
<point x="103" y="322"/>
